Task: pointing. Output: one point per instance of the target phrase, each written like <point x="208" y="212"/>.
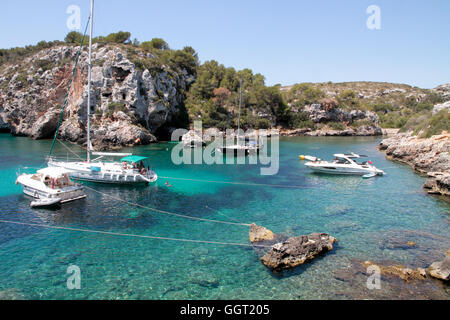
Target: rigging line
<point x="240" y="183"/>
<point x="167" y="212"/>
<point x="70" y="85"/>
<point x="70" y="150"/>
<point x="132" y="235"/>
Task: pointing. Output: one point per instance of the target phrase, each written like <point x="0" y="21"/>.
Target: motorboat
<point x="50" y="186"/>
<point x="131" y="169"/>
<point x="344" y="164"/>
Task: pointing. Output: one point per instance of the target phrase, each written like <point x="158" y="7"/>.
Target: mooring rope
<point x="131" y="235"/>
<point x="240" y="183"/>
<point x="167" y="212"/>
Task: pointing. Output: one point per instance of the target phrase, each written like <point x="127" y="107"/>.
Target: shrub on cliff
<point x="155" y="43"/>
<point x="75" y="37"/>
<point x="118" y="37"/>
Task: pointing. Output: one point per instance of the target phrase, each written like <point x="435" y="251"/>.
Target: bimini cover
<point x="133" y="159"/>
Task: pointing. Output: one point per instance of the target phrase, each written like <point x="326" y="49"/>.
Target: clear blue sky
<point x="288" y="41"/>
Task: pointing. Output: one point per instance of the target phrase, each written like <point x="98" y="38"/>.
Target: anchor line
<point x="132" y="235"/>
<point x="239" y="183"/>
<point x="167" y="212"/>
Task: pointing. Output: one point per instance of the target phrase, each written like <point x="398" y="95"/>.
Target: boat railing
<point x="62" y="159"/>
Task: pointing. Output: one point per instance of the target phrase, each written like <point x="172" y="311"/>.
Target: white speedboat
<point x="130" y="170"/>
<point x="50" y="186"/>
<point x="344" y="164"/>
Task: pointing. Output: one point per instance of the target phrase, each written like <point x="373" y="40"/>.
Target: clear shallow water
<point x="362" y="214"/>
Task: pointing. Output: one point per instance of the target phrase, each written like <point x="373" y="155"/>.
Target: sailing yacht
<point x="239" y="148"/>
<point x="130" y="169"/>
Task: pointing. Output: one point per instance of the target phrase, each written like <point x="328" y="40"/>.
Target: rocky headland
<point x="428" y="156"/>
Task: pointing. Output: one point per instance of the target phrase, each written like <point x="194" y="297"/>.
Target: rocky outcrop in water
<point x="440" y="269"/>
<point x="258" y="233"/>
<point x="297" y="251"/>
<point x="425" y="155"/>
<point x="285" y="253"/>
<point x="129" y="105"/>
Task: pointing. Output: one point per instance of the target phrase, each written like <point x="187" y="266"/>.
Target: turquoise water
<point x="362" y="214"/>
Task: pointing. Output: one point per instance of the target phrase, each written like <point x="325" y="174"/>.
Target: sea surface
<point x="372" y="219"/>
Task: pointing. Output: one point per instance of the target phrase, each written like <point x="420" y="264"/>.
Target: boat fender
<point x="53" y="183"/>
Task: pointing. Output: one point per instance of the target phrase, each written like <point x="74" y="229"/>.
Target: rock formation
<point x="429" y="156"/>
<point x="440" y="269"/>
<point x="297" y="251"/>
<point x="129" y="106"/>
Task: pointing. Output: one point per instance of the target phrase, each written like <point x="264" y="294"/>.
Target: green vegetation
<point x="426" y="124"/>
<point x="214" y="97"/>
<point x="15" y="55"/>
<point x="336" y="125"/>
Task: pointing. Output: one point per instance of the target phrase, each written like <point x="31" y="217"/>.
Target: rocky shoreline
<point x="428" y="156"/>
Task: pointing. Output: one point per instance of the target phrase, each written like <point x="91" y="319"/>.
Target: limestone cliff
<point x="129" y="105"/>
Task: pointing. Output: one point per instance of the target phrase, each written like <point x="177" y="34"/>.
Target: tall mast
<point x="239" y="117"/>
<point x="89" y="84"/>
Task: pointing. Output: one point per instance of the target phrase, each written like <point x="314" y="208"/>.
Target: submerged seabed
<point x="369" y="217"/>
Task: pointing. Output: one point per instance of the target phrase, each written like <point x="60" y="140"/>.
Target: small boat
<point x="50" y="186"/>
<point x="240" y="149"/>
<point x="345" y="164"/>
<point x="249" y="145"/>
<point x="192" y="140"/>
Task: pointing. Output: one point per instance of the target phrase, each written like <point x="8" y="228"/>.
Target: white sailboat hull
<point x="108" y="173"/>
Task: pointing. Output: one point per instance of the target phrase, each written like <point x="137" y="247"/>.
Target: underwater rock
<point x="204" y="279"/>
<point x="400" y="271"/>
<point x="440" y="269"/>
<point x="11" y="294"/>
<point x="297" y="250"/>
<point x="397" y="244"/>
<point x="258" y="233"/>
<point x="355" y="277"/>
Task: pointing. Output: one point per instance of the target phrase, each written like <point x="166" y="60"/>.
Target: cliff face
<point x="129" y="105"/>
